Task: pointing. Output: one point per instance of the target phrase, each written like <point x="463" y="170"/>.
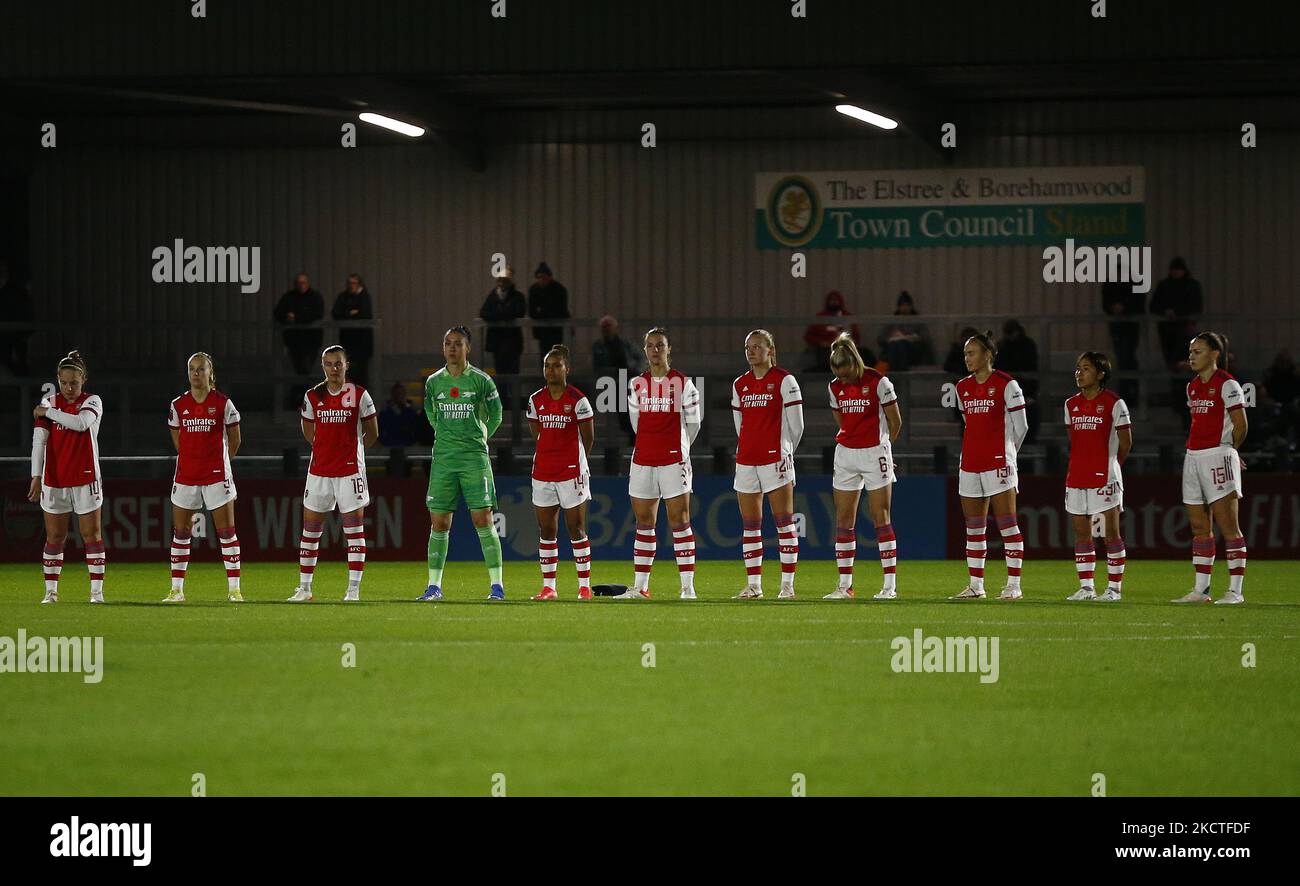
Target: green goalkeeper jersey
<point x="464" y="411"/>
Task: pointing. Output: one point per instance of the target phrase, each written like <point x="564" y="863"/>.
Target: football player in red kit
<point x="1212" y="481"/>
<point x="205" y="433"/>
<point x="339" y="423"/>
<point x="560" y="418"/>
<point x="1101" y="435"/>
<point x="65" y="474"/>
<point x="865" y="407"/>
<point x="993" y="406"/>
<point x="768" y="410"/>
<point x="664" y="408"/>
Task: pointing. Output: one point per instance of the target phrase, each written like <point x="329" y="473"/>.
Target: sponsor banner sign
<point x="137" y="522"/>
<point x="890" y="208"/>
<point x="1154" y="522"/>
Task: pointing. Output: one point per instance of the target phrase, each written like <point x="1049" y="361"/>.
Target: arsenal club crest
<point x="568" y="407"/>
<point x="212" y="410"/>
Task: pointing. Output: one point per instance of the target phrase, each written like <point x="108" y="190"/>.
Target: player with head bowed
<point x="205" y="433"/>
<point x="1212" y="481"/>
<point x="993" y="406"/>
<point x="865" y="407"/>
<point x="560" y="418"/>
<point x="664" y="409"/>
<point x="767" y="407"/>
<point x="65" y="474"/>
<point x="464" y="409"/>
<point x="339" y="423"/>
<point x="1101" y="435"/>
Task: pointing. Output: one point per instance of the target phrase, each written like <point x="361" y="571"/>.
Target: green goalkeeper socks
<point x="491" y="544"/>
<point x="438" y="556"/>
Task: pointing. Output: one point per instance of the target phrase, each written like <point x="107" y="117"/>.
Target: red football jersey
<point x="1094" y="427"/>
<point x="760" y="403"/>
<point x="337" y="449"/>
<point x="560" y="455"/>
<point x="204" y="457"/>
<point x="662" y="408"/>
<point x="861" y="406"/>
<point x="71" y="457"/>
<point x="987" y="443"/>
<point x="1210" y="402"/>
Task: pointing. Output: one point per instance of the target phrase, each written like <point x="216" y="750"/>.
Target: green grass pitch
<point x="743" y="695"/>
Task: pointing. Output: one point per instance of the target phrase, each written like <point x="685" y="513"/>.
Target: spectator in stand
<point x="301" y="306"/>
<point x="504" y="343"/>
<point x="1119" y="301"/>
<point x="955" y="364"/>
<point x="1178" y="301"/>
<point x="1018" y="355"/>
<point x="819" y="337"/>
<point x="904" y="344"/>
<point x="15" y="307"/>
<point x="610" y="353"/>
<point x="399" y="428"/>
<point x="353" y="303"/>
<point x="1282" y="400"/>
<point x="547" y="300"/>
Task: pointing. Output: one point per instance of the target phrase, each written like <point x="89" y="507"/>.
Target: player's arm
<point x="430" y="408"/>
<point x="174" y="425"/>
<point x="307" y="419"/>
<point x="308" y="430"/>
<point x="893" y="417"/>
<point x="587" y="432"/>
<point x="492" y="405"/>
<point x="534" y="428"/>
<point x="835" y="409"/>
<point x="792" y="411"/>
<point x="233" y="439"/>
<point x="176" y="438"/>
<point x="40" y="436"/>
<point x="1239" y="427"/>
<point x="634" y="402"/>
<point x="82" y="421"/>
<point x="691" y="410"/>
<point x="1125" y="438"/>
<point x="735" y="406"/>
<point x="369" y="431"/>
<point x="1014" y="397"/>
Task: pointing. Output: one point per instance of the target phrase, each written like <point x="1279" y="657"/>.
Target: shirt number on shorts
<point x="358" y="485"/>
<point x="94" y="487"/>
<point x="884" y="466"/>
<point x="1004" y="472"/>
<point x="1223" y="473"/>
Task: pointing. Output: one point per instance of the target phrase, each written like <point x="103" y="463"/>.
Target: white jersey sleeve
<point x="40" y="437"/>
<point x="307" y="411"/>
<point x="1119" y="416"/>
<point x="583" y="411"/>
<point x="835" y="403"/>
<point x="87" y="416"/>
<point x="691" y="409"/>
<point x="1233" y="397"/>
<point x="885" y="393"/>
<point x="1066" y="411"/>
<point x="1013" y="396"/>
<point x="735" y="405"/>
<point x="367" y="405"/>
<point x="173" y="420"/>
<point x="635" y="391"/>
<point x="531" y="412"/>
<point x="791" y="414"/>
<point x="232" y="414"/>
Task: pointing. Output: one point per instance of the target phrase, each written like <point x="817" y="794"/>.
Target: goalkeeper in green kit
<point x="464" y="410"/>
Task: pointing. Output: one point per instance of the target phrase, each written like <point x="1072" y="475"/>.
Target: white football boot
<point x="886" y="594"/>
<point x="1229" y="598"/>
<point x="51" y="597"/>
<point x="749" y="593"/>
<point x="688" y="593"/>
<point x="1010" y="593"/>
<point x="302" y="595"/>
<point x="787" y="593"/>
<point x="1083" y="594"/>
<point x="1194" y="597"/>
<point x="175" y="596"/>
<point x="969" y="593"/>
<point x="839" y="594"/>
<point x="96" y="596"/>
<point x="1110" y="595"/>
<point x="352" y="595"/>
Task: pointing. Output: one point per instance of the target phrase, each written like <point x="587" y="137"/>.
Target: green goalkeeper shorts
<point x="468" y="476"/>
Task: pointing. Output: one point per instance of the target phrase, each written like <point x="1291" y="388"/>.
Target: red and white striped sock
<point x="309" y="551"/>
<point x="52" y="564"/>
<point x="582" y="560"/>
<point x="1235" y="549"/>
<point x="888" y="544"/>
<point x="976" y="550"/>
<point x="787" y="535"/>
<point x="180" y="557"/>
<point x="354" y="533"/>
<point x="1203" y="561"/>
<point x="751" y="551"/>
<point x="643" y="555"/>
<point x="684" y="550"/>
<point x="846" y="548"/>
<point x="1013" y="548"/>
<point x="1116" y="557"/>
<point x="1085" y="562"/>
<point x="230" y="555"/>
<point x="96" y="559"/>
<point x="548" y="558"/>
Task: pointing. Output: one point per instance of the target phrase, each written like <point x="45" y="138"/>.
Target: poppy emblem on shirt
<point x="455" y="392"/>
